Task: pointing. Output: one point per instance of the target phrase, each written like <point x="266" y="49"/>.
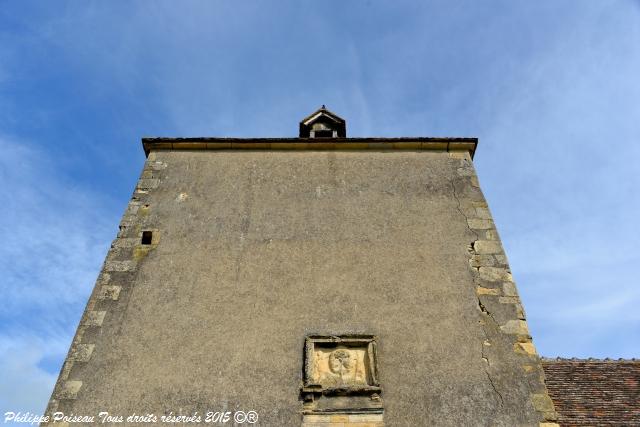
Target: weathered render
<point x="256" y="245"/>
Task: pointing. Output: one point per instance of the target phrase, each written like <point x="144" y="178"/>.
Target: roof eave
<point x="313" y="144"/>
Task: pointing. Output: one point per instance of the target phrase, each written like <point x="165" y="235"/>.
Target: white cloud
<point x="54" y="236"/>
<point x="558" y="165"/>
<point x="25" y="387"/>
<point x="552" y="97"/>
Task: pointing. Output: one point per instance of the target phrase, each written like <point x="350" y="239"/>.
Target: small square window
<point x="147" y="237"/>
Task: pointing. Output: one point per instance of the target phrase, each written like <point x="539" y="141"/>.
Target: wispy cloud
<point x="558" y="167"/>
<point x="549" y="87"/>
<point x="54" y="235"/>
<point x="26" y="386"/>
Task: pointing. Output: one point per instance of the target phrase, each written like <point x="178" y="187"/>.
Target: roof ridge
<point x="589" y="359"/>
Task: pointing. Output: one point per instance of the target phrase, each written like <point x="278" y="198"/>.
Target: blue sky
<point x="549" y="87"/>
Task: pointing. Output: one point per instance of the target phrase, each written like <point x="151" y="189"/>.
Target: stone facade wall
<point x="254" y="251"/>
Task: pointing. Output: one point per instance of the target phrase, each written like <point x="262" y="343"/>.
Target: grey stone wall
<point x="253" y="251"/>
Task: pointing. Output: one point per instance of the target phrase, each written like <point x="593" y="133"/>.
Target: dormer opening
<point x="322" y="130"/>
<point x="323" y="124"/>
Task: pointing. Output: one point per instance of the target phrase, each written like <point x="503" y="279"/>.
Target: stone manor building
<point x="320" y="281"/>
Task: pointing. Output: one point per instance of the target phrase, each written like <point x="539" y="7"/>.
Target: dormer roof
<point x="322" y="123"/>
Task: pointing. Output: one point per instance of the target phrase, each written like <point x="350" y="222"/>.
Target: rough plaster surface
<point x="253" y="251"/>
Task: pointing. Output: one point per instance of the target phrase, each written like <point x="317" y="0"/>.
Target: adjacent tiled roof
<point x="594" y="392"/>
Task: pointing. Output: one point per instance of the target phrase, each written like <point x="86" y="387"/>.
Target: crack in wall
<point x="484" y="356"/>
<point x="494" y="387"/>
<point x="487" y="312"/>
<point x="485" y="253"/>
<point x="459" y="207"/>
<point x="486" y="371"/>
<point x="483" y="309"/>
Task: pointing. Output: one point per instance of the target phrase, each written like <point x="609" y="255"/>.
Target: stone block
<point x="509" y="289"/>
<point x="488" y="247"/>
<point x="478" y="260"/>
<point x="479" y="224"/>
<point x="132" y="209"/>
<point x="310" y="424"/>
<point x="483" y="213"/>
<point x="104" y="278"/>
<point x="120" y="265"/>
<point x="515" y="327"/>
<point x="148" y="184"/>
<point x="316" y="419"/>
<point x="487" y="291"/>
<point x="366" y="418"/>
<point x="110" y="292"/>
<point x="94" y="318"/>
<point x="69" y="390"/>
<point x="525" y="348"/>
<point x="117" y="254"/>
<point x="495" y="274"/>
<point x="82" y="352"/>
<point x="127" y="221"/>
<point x="125" y="242"/>
<point x="491" y="235"/>
<point x="542" y="402"/>
<point x="501" y="258"/>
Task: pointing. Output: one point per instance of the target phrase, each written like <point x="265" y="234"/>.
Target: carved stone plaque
<point x="339" y="367"/>
<point x="340" y="364"/>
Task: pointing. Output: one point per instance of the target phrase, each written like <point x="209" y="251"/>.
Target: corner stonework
<point x="499" y="305"/>
<point x="111" y="290"/>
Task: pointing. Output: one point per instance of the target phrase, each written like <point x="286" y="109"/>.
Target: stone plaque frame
<point x="329" y="359"/>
